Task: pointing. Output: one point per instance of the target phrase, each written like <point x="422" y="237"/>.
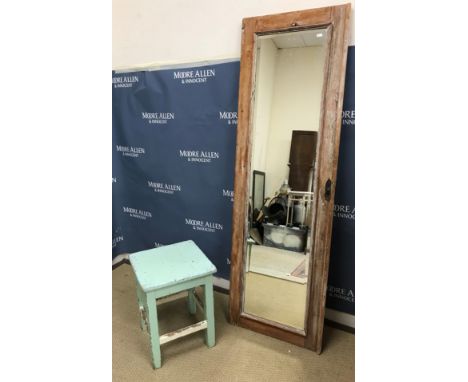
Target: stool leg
<point x="141" y="306"/>
<point x="153" y="329"/>
<point x="192" y="306"/>
<point x="209" y="313"/>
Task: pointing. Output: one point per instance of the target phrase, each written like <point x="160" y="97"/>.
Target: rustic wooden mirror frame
<point x="336" y="20"/>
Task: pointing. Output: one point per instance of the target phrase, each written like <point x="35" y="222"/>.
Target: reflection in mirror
<point x="258" y="194"/>
<point x="288" y="92"/>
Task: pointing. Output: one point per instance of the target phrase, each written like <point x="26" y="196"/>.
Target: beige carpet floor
<point x="239" y="354"/>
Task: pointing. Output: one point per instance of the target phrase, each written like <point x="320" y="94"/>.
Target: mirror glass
<point x="287" y="102"/>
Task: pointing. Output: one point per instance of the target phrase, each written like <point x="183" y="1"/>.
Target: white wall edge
<point x="120" y="258"/>
<point x="176" y="64"/>
<point x="339" y="317"/>
<point x="221" y="283"/>
<point x="160" y="65"/>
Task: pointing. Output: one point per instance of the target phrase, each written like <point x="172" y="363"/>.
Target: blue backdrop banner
<point x="174" y="134"/>
<point x="173" y="141"/>
<point x="341" y="274"/>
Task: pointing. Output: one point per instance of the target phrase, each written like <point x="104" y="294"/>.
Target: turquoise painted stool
<point x="163" y="271"/>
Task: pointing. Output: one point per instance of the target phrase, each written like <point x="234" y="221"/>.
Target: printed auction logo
<point x="164" y="187"/>
<point x="130" y="151"/>
<point x="157" y="118"/>
<point x="347" y="117"/>
<point x="343" y="211"/>
<point x="116" y="239"/>
<point x="229" y="116"/>
<point x="199" y="156"/>
<point x="124" y="81"/>
<point x="201" y="225"/>
<point x="138" y="214"/>
<point x="194" y="76"/>
<point x="229" y="194"/>
<point x="341" y="293"/>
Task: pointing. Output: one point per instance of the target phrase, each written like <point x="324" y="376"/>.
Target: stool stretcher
<point x="202" y="325"/>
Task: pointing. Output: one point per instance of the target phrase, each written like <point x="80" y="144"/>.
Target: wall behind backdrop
<point x="210" y="29"/>
<point x="147" y="31"/>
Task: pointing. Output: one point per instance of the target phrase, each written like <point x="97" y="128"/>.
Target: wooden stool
<point x="167" y="270"/>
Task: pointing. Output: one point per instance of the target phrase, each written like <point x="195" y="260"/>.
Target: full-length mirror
<point x="289" y="75"/>
<point x="289" y="119"/>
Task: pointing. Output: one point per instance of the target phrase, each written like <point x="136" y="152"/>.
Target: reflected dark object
<point x="275" y="213"/>
<point x="301" y="159"/>
<point x="256" y="235"/>
<point x="258" y="193"/>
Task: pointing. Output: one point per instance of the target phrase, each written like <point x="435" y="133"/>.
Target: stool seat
<point x="172" y="264"/>
<point x="167" y="270"/>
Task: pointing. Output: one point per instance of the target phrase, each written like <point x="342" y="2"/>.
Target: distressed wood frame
<point x="336" y="19"/>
